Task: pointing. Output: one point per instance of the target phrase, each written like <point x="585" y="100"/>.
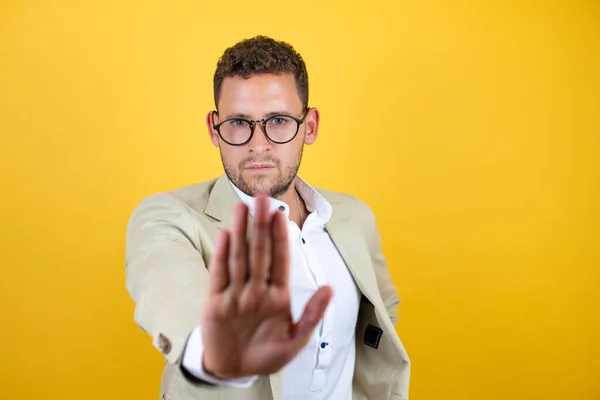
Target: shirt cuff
<point x="192" y="362"/>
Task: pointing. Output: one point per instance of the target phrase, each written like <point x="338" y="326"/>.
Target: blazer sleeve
<point x="165" y="273"/>
<point x="387" y="289"/>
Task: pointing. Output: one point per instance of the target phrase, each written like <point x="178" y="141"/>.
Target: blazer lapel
<point x="276" y="385"/>
<point x="345" y="234"/>
<point x="221" y="201"/>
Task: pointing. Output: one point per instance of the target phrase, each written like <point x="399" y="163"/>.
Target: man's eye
<point x="238" y="122"/>
<point x="278" y="121"/>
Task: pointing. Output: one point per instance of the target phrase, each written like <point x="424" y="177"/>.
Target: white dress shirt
<point x="324" y="368"/>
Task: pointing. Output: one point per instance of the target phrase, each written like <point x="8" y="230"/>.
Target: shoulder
<point x="169" y="213"/>
<point x="194" y="196"/>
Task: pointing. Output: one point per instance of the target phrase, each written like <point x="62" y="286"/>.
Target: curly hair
<point x="261" y="55"/>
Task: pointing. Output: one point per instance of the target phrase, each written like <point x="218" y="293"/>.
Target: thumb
<point x="313" y="313"/>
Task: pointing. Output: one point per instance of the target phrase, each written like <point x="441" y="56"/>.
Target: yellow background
<point x="471" y="128"/>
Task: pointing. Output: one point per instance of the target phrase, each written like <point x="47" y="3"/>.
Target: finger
<point x="260" y="242"/>
<point x="313" y="313"/>
<point x="280" y="264"/>
<point x="217" y="267"/>
<point x="238" y="252"/>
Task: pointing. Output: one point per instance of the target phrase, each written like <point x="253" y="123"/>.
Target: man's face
<point x="261" y="166"/>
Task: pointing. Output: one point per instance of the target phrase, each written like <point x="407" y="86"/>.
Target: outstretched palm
<point x="247" y="326"/>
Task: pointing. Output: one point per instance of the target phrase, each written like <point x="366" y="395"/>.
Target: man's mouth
<point x="256" y="167"/>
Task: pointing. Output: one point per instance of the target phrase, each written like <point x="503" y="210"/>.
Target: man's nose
<point x="259" y="143"/>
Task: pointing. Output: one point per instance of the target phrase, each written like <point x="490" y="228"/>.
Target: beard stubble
<point x="261" y="183"/>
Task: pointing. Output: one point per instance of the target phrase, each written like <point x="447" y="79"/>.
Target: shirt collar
<point x="313" y="200"/>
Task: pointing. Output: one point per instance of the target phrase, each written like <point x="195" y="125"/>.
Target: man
<point x="255" y="285"/>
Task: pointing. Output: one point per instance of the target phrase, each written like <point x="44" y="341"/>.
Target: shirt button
<point x="303" y="241"/>
<point x="164" y="344"/>
<point x="281" y="208"/>
<point x="323" y="345"/>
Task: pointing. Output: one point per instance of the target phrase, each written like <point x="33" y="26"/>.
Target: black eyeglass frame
<point x="263" y="122"/>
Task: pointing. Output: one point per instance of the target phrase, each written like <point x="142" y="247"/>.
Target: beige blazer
<point x="170" y="238"/>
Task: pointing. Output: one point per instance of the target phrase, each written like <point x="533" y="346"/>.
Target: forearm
<point x="168" y="299"/>
<point x="165" y="273"/>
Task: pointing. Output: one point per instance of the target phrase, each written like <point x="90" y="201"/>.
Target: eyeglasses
<point x="279" y="129"/>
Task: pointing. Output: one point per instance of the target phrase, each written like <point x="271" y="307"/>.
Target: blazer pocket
<point x="379" y="363"/>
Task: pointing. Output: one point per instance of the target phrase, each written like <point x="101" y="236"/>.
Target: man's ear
<point x="211" y="119"/>
<point x="312" y="126"/>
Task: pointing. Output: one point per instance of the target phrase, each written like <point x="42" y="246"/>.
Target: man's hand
<point x="247" y="326"/>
